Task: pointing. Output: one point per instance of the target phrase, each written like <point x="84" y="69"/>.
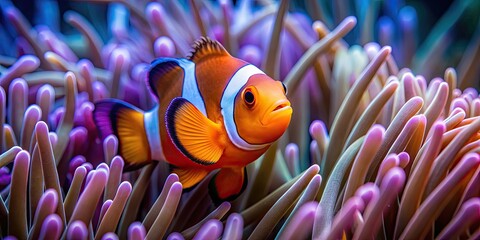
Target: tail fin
<point x="126" y="122"/>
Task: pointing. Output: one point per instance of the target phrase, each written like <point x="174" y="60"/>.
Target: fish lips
<point x="281" y="111"/>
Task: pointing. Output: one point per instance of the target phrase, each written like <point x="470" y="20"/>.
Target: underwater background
<point x="384" y="141"/>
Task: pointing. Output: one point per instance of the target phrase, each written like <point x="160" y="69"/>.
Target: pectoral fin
<point x="228" y="184"/>
<point x="196" y="136"/>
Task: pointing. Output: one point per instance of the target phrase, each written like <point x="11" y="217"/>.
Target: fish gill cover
<point x="384" y="141"/>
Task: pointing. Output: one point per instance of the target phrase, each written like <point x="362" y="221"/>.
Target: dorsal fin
<point x="161" y="69"/>
<point x="206" y="47"/>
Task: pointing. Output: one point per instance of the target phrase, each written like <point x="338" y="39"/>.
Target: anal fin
<point x="189" y="177"/>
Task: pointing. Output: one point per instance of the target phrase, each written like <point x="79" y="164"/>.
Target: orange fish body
<point x="214" y="111"/>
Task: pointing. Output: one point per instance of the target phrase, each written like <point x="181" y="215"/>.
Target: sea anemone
<point x="384" y="141"/>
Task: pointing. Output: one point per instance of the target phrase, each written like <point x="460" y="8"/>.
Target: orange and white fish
<point x="214" y="111"/>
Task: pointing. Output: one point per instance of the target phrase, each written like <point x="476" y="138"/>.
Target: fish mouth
<point x="283" y="104"/>
<point x="279" y="109"/>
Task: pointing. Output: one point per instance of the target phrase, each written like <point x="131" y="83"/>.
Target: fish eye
<point x="284" y="88"/>
<point x="249" y="97"/>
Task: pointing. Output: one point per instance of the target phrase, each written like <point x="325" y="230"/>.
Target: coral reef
<point x="379" y="145"/>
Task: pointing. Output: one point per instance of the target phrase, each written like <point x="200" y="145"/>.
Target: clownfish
<point x="214" y="111"/>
